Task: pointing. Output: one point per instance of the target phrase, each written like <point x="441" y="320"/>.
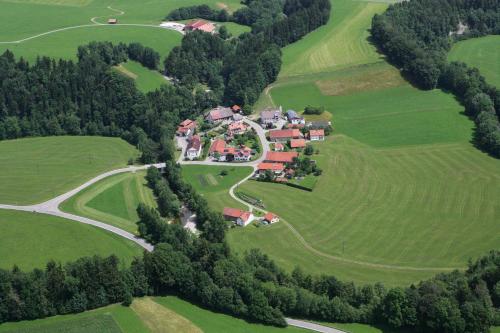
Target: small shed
<point x="112" y="21"/>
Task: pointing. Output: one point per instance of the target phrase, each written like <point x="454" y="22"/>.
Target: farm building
<point x="285" y="135"/>
<point x="298" y="143"/>
<point x="193" y="149"/>
<point x="317" y="135"/>
<point x="221" y="152"/>
<point x="200" y="25"/>
<point x="276" y="168"/>
<point x="271" y="218"/>
<point x="237" y="127"/>
<point x="270" y="116"/>
<point x="240" y="217"/>
<point x="294" y="118"/>
<point x="112" y="21"/>
<point x="219" y="114"/>
<point x="281" y="157"/>
<point x="318" y="124"/>
<point x="186" y="128"/>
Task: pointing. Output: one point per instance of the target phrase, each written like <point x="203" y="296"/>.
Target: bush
<point x="314" y="110"/>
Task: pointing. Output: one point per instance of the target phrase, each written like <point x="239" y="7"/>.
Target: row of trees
<point x="416" y="36"/>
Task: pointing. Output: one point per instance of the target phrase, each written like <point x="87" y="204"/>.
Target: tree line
<point x="417" y="35"/>
<point x="237" y="70"/>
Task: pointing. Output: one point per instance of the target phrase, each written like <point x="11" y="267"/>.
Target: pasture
<point x="208" y="181"/>
<point x="482" y="53"/>
<point x="145" y="79"/>
<point x="30" y="240"/>
<point x="113" y="200"/>
<point x="410" y="211"/>
<point x="212" y="322"/>
<point x="109" y="319"/>
<point x="33" y="170"/>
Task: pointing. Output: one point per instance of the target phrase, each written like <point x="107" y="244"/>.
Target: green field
<point x="483" y="53"/>
<point x="113" y="200"/>
<point x="214" y="187"/>
<point x="110" y="319"/>
<point x="145" y="79"/>
<point x="33" y="170"/>
<point x="30" y="240"/>
<point x="212" y="322"/>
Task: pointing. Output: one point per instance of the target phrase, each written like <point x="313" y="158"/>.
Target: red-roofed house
<point x="239" y="216"/>
<point x="186" y="128"/>
<point x="200" y="25"/>
<point x="276" y="168"/>
<point x="317" y="135"/>
<point x="271" y="218"/>
<point x="284" y="135"/>
<point x="278" y="146"/>
<point x="193" y="149"/>
<point x="236" y="108"/>
<point x="298" y="143"/>
<point x="219" y="114"/>
<point x="221" y="152"/>
<point x="281" y="157"/>
<point x="237" y="127"/>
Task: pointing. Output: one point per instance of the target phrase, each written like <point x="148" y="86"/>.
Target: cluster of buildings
<point x="187" y="128"/>
<point x="222" y="152"/>
<point x="244" y="218"/>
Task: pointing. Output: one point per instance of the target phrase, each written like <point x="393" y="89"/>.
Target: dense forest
<point x="417" y="35"/>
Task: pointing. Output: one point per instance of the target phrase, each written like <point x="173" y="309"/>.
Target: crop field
<point x="208" y="181"/>
<point x="145" y="79"/>
<point x="29" y="240"/>
<point x="113" y="200"/>
<point x="33" y="170"/>
<point x="109" y="319"/>
<point x="482" y="53"/>
<point x="212" y="322"/>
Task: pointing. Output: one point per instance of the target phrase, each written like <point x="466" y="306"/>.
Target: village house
<point x="297" y="143"/>
<point x="285" y="135"/>
<point x="237" y="127"/>
<point x="219" y="114"/>
<point x="270" y="116"/>
<point x="294" y="118"/>
<point x="240" y="217"/>
<point x="236" y="108"/>
<point x="281" y="157"/>
<point x="222" y="153"/>
<point x="276" y="168"/>
<point x="271" y="218"/>
<point x="193" y="149"/>
<point x="200" y="25"/>
<point x="186" y="128"/>
<point x="278" y="146"/>
<point x="317" y="135"/>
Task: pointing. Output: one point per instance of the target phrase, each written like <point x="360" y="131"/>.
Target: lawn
<point x="208" y="181"/>
<point x="394" y="215"/>
<point x="113" y="200"/>
<point x="212" y="322"/>
<point x="29" y="240"/>
<point x="109" y="319"/>
<point x="145" y="79"/>
<point x="482" y="53"/>
<point x="33" y="170"/>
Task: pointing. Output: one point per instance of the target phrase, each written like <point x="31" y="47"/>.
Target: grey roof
<point x="270" y="114"/>
<point x="291" y="114"/>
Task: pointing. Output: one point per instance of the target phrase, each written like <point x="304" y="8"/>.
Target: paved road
<point x="51" y="207"/>
<point x="311" y="326"/>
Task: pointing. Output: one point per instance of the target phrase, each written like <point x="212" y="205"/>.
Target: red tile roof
<point x="236" y="108"/>
<point x="271" y="166"/>
<point x="298" y="143"/>
<point x="270" y="216"/>
<point x="318" y="132"/>
<point x="278" y="146"/>
<point x="218" y="146"/>
<point x="283" y="134"/>
<point x="236" y="213"/>
<point x="201" y="25"/>
<point x="281" y="156"/>
<point x="194" y="143"/>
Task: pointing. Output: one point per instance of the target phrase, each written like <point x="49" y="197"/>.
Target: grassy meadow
<point x="403" y="194"/>
<point x="33" y="170"/>
<point x="482" y="53"/>
<point x="113" y="200"/>
<point x="208" y="181"/>
<point x="29" y="240"/>
<point x="145" y="79"/>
